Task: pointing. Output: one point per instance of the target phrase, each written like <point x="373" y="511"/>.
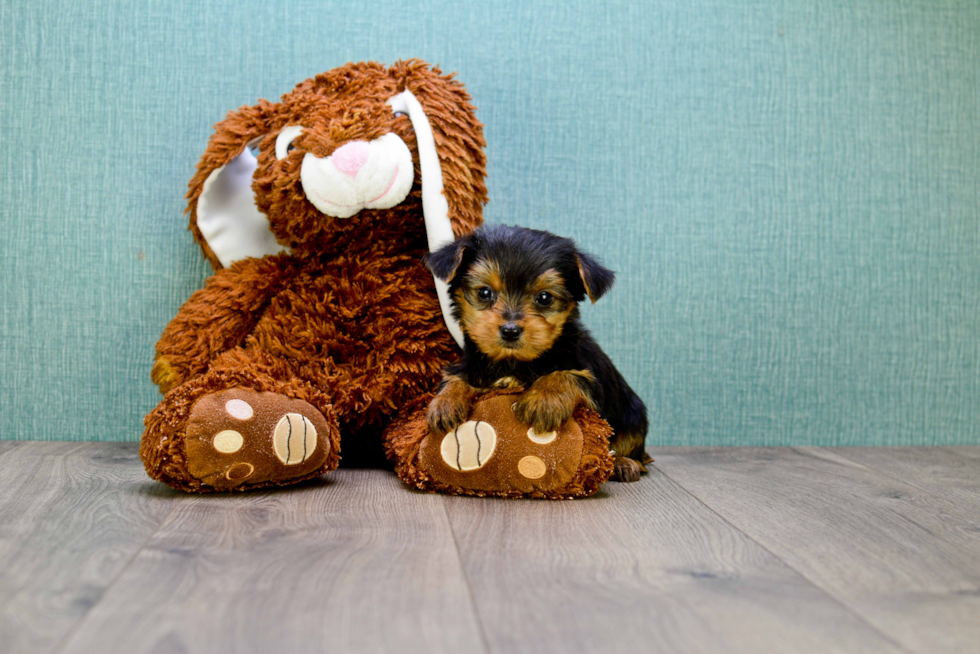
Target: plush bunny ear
<point x="435" y="208"/>
<point x="453" y="164"/>
<point x="225" y="221"/>
<point x="457" y="136"/>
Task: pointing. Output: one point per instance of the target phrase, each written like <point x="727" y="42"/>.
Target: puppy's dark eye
<point x="484" y="293"/>
<point x="544" y="299"/>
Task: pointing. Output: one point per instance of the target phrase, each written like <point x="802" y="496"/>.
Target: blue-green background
<point x="790" y="192"/>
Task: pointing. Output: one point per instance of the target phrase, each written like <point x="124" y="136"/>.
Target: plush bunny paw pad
<point x="495" y="454"/>
<point x="239" y="438"/>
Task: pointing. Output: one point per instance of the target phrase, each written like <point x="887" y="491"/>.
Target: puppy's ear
<point x="596" y="278"/>
<point x="223" y="217"/>
<point x="447" y="262"/>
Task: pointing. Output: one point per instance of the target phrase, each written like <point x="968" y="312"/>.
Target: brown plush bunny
<point x="322" y="324"/>
<point x="321" y="321"/>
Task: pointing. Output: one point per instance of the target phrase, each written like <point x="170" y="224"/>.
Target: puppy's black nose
<point x="510" y="332"/>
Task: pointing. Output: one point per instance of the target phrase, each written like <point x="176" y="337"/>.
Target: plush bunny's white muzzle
<point x="359" y="175"/>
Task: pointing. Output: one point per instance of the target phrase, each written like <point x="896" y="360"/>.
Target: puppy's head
<point x="514" y="289"/>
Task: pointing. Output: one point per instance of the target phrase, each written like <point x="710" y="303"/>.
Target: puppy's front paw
<point x="543" y="411"/>
<point x="446" y="413"/>
<point x="627" y="469"/>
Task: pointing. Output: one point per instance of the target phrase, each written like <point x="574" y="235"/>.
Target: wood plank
<point x="72" y="516"/>
<point x="946" y="472"/>
<point x="353" y="562"/>
<point x="639" y="567"/>
<point x="969" y="451"/>
<point x="905" y="560"/>
<point x="6" y="446"/>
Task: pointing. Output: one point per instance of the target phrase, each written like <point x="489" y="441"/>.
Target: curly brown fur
<point x="350" y="311"/>
<point x="515" y="293"/>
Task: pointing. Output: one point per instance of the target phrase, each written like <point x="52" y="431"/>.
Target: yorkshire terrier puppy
<point x="515" y="293"/>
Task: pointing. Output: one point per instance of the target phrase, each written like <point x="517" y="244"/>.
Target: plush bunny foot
<point x="494" y="453"/>
<point x="237" y="439"/>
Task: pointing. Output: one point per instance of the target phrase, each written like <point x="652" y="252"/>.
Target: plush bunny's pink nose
<point x="349" y="158"/>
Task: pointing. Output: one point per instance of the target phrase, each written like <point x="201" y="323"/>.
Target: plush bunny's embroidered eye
<point x="284" y="142"/>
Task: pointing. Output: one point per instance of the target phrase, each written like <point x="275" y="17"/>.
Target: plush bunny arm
<point x="217" y="318"/>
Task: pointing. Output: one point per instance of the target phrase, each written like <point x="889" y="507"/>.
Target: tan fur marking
<point x="551" y="281"/>
<point x="459" y="260"/>
<point x="480" y="322"/>
<point x="625" y="444"/>
<point x="627" y="469"/>
<point x="485" y="273"/>
<point x="541" y="325"/>
<point x="507" y="383"/>
<point x="468" y="314"/>
<point x="540" y="332"/>
<point x="581" y="273"/>
<point x="451" y="406"/>
<point x="551" y="399"/>
<point x="484" y="328"/>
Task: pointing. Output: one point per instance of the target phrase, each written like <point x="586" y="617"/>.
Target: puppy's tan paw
<point x="446" y="412"/>
<point x="543" y="411"/>
<point x="626" y="469"/>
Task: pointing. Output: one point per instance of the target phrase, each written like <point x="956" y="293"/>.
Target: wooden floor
<point x="716" y="550"/>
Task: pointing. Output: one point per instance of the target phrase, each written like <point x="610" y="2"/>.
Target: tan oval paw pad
<point x="228" y="441"/>
<point x="541" y="439"/>
<point x="532" y="467"/>
<point x="294" y="439"/>
<point x="239" y="409"/>
<point x="469" y="446"/>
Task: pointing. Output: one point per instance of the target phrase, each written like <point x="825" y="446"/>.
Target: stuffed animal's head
<point x="359" y="152"/>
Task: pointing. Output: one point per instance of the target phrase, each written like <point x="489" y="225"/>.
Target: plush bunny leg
<point x="216" y="319"/>
<point x="238" y="429"/>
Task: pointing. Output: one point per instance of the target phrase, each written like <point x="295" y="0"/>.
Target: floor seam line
<point x="466" y="579"/>
<point x="803" y="576"/>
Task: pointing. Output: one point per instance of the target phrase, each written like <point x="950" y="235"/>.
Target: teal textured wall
<point x="790" y="192"/>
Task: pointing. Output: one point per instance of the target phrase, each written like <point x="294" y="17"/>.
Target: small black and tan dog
<point x="515" y="293"/>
